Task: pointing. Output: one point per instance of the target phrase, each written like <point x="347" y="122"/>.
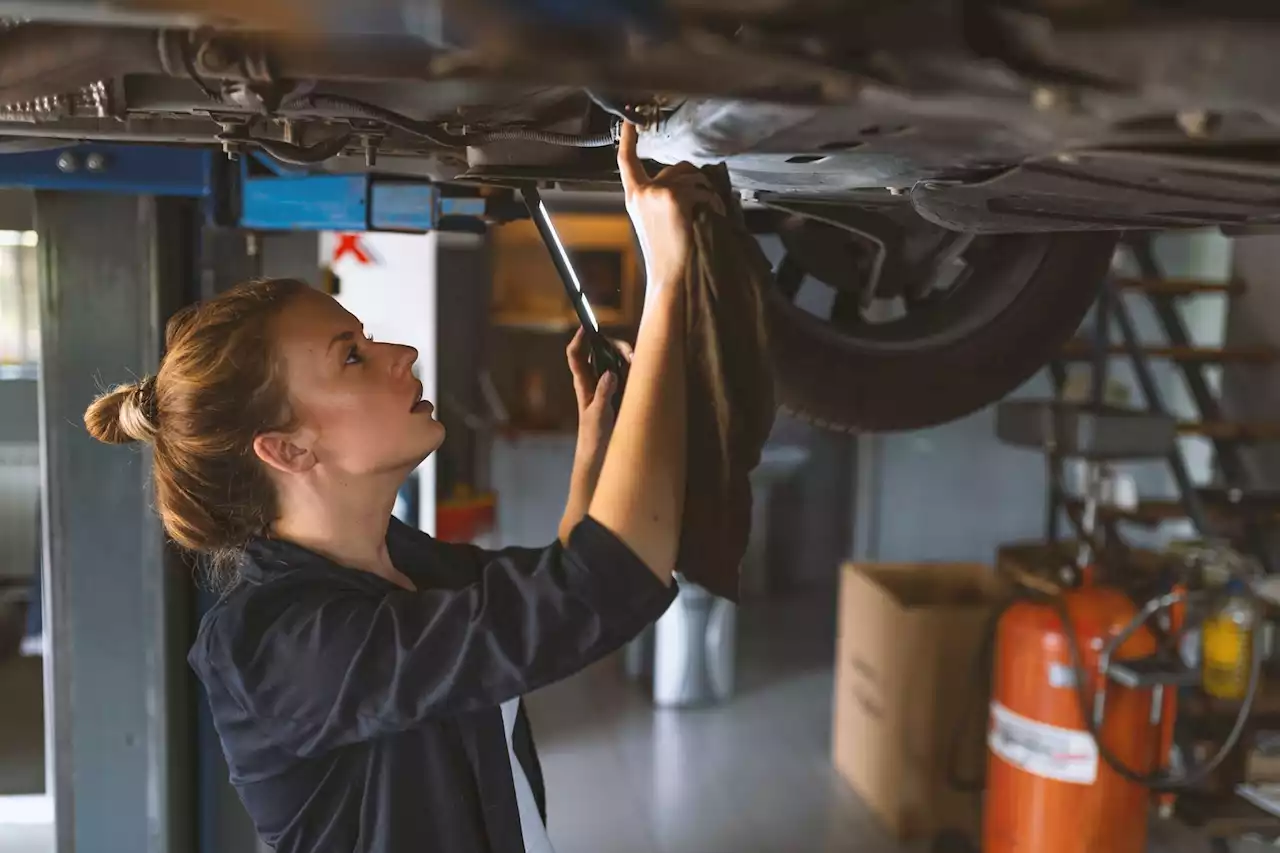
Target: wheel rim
<point x="882" y="285"/>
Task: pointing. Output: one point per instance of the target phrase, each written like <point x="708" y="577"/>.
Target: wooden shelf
<point x="1232" y="430"/>
<point x="1180" y="286"/>
<point x="1154" y="512"/>
<point x="1081" y="350"/>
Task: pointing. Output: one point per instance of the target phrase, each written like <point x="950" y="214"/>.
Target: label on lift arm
<point x="1050" y="752"/>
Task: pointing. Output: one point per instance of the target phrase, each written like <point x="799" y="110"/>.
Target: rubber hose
<point x="436" y="135"/>
<point x="546" y="137"/>
<point x="297" y="155"/>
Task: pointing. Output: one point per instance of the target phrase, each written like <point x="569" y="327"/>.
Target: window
<point x="19" y="309"/>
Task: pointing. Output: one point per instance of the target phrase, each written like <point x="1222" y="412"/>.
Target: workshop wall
<point x="955" y="493"/>
<point x="1253" y="393"/>
<point x="19" y="419"/>
<point x="19" y="478"/>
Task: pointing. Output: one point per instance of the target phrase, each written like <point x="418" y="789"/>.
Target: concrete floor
<point x="751" y="775"/>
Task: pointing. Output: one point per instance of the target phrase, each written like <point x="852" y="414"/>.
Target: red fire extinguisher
<point x="1050" y="788"/>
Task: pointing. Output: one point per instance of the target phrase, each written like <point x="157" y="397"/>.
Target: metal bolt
<point x="68" y="162"/>
<point x="1194" y="123"/>
<point x="215" y="56"/>
<point x="95" y="162"/>
<point x="1044" y="98"/>
<point x="371" y="151"/>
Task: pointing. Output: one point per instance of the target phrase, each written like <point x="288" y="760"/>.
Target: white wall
<point x="1253" y="393"/>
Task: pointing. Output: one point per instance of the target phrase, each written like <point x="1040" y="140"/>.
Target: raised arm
<point x="640" y="492"/>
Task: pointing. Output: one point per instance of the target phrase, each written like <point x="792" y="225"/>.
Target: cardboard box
<point x="906" y="678"/>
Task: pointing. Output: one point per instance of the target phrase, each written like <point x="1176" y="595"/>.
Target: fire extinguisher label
<point x="1066" y="755"/>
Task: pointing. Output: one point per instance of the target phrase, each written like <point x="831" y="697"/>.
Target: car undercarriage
<point x="955" y="173"/>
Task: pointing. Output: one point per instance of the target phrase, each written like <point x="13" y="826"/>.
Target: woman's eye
<point x="353" y="356"/>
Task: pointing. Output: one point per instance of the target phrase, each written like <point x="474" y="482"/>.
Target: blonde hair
<point x="217" y="389"/>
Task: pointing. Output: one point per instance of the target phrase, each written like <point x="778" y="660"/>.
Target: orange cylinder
<point x="1048" y="789"/>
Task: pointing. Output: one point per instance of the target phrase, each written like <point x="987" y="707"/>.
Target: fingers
<point x="690" y="187"/>
<point x="627" y="351"/>
<point x="680" y="170"/>
<point x="604" y="388"/>
<point x="600" y="406"/>
<point x="630" y="167"/>
<point x="580" y="366"/>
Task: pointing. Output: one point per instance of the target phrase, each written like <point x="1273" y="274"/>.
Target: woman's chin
<point x="435" y="435"/>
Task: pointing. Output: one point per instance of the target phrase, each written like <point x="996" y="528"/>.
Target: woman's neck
<point x="347" y="525"/>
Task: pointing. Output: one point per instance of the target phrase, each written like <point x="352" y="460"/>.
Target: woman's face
<point x="355" y="402"/>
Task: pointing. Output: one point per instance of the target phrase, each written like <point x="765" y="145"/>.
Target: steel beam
<point x="116" y="604"/>
<point x="134" y="169"/>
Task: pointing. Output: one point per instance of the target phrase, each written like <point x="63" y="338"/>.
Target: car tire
<point x="836" y="381"/>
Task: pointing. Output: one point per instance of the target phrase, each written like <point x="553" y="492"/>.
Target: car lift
<point x="256" y="193"/>
<point x="259" y="194"/>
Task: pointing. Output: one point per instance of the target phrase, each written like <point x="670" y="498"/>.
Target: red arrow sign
<point x="349" y="244"/>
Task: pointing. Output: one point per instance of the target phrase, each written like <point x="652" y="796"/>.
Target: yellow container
<point x="1227" y="648"/>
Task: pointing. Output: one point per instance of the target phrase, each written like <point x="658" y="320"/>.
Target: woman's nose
<point x="405" y="358"/>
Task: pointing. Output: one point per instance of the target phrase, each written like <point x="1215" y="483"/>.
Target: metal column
<point x="117" y="603"/>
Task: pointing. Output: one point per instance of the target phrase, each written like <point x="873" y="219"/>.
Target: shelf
<point x="1259" y="431"/>
<point x="1180" y="286"/>
<point x="1262" y="507"/>
<point x="1083" y="350"/>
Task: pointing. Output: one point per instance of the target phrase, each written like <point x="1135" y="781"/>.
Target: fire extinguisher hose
<point x="1159" y="780"/>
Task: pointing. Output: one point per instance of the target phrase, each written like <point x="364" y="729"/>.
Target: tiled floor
<point x="751" y="775"/>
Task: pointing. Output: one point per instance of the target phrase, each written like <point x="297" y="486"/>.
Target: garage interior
<point x="773" y="745"/>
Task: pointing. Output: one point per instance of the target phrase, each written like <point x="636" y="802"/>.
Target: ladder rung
<point x="1153" y="512"/>
<point x="1083" y="350"/>
<point x="1180" y="286"/>
<point x="1232" y="430"/>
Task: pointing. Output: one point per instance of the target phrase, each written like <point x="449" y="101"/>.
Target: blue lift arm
<point x="255" y="193"/>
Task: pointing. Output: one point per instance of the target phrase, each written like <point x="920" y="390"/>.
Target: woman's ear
<point x="285" y="452"/>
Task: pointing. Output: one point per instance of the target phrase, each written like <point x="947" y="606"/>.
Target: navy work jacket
<point x="358" y="716"/>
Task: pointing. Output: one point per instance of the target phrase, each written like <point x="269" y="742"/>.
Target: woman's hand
<point x="595" y="426"/>
<point x="661" y="210"/>
<point x="595" y="408"/>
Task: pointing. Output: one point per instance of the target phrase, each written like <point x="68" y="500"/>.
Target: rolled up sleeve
<point x="340" y="668"/>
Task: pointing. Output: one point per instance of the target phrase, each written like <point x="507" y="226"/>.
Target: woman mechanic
<point x="365" y="679"/>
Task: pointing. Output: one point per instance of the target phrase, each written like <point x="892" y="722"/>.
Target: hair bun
<point x="125" y="414"/>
